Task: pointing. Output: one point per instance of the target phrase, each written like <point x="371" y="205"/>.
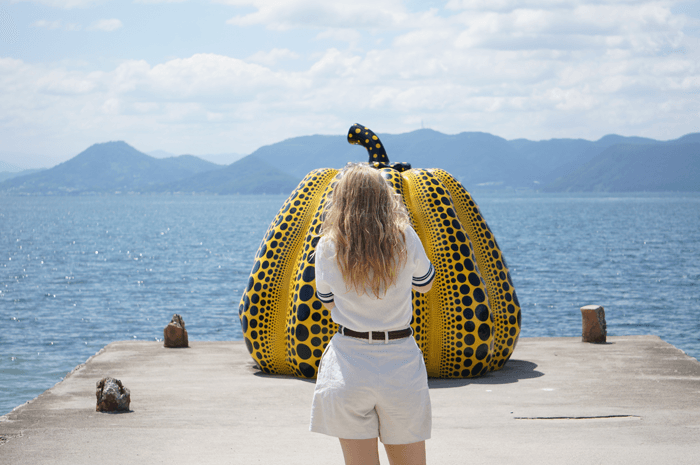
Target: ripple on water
<point x="634" y="254"/>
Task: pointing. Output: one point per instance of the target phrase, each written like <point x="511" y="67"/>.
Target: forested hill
<point x="479" y="160"/>
<point x="108" y="167"/>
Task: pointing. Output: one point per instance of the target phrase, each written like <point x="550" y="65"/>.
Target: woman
<point x="372" y="380"/>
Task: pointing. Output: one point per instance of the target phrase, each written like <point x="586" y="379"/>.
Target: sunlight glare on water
<point x="77" y="273"/>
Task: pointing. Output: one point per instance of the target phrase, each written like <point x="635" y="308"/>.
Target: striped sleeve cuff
<point x="426" y="278"/>
<point x="325" y="298"/>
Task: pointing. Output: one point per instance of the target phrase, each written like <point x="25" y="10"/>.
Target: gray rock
<point x="175" y="334"/>
<point x="112" y="396"/>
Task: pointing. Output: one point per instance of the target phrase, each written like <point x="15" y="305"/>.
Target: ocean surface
<point x="77" y="273"/>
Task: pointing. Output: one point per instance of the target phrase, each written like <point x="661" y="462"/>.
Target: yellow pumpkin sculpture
<point x="466" y="325"/>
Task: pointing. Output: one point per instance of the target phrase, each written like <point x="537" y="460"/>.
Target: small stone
<point x="112" y="396"/>
<point x="175" y="334"/>
<point x="594" y="328"/>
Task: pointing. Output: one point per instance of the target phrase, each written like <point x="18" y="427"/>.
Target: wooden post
<point x="175" y="334"/>
<point x="594" y="328"/>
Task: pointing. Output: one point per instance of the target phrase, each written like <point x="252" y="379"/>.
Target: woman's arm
<point x="423" y="289"/>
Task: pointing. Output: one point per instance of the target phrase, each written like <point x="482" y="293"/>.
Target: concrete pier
<point x="558" y="401"/>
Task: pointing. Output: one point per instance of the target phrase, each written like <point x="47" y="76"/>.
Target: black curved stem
<point x="361" y="135"/>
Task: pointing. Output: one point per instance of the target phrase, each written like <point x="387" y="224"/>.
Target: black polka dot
<point x="481" y="352"/>
<point x="479" y="295"/>
<point x="309" y="274"/>
<point x="303" y="312"/>
<point x="307" y="370"/>
<point x="484" y="332"/>
<point x="482" y="312"/>
<point x="304" y="351"/>
<point x="306" y="292"/>
<point x="302" y="333"/>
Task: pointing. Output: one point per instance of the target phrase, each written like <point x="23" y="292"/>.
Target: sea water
<point x="77" y="273"/>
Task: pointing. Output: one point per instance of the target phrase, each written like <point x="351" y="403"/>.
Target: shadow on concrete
<point x="262" y="374"/>
<point x="514" y="371"/>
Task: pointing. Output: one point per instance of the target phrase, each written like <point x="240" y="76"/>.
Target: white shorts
<point x="365" y="391"/>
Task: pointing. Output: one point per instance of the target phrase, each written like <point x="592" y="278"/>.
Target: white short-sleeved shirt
<point x="366" y="312"/>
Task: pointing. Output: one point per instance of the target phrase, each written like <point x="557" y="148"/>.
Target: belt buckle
<point x="386" y="336"/>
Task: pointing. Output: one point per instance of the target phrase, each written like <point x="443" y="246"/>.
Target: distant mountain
<point x="218" y="158"/>
<point x="107" y="167"/>
<point x="667" y="166"/>
<point x="470" y="156"/>
<point x="222" y="158"/>
<point x="555" y="158"/>
<point x="160" y="154"/>
<point x="250" y="175"/>
<point x="4" y="175"/>
<point x="479" y="160"/>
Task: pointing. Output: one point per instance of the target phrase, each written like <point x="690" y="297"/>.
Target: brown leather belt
<point x="376" y="335"/>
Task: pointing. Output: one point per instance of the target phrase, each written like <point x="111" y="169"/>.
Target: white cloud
<point x="106" y="25"/>
<point x="273" y="56"/>
<point x="205" y="76"/>
<point x="288" y="14"/>
<point x="58" y="24"/>
<point x="575" y="69"/>
<point x="47" y="24"/>
<point x="509" y="5"/>
<point x="66" y="4"/>
<point x="348" y="35"/>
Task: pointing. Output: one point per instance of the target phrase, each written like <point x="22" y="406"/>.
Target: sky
<point x="229" y="76"/>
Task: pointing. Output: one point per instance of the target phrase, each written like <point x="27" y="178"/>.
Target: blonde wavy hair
<point x="366" y="220"/>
